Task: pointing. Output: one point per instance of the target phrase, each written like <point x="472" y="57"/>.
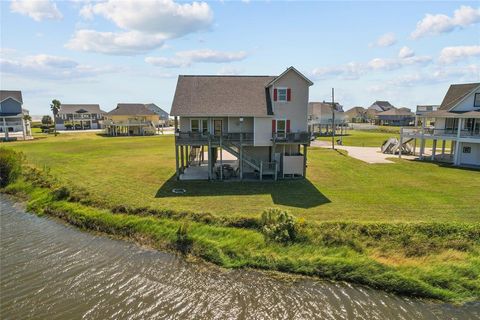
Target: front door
<point x="217" y="127"/>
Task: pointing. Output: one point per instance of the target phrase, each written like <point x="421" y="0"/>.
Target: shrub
<point x="61" y="193"/>
<point x="278" y="226"/>
<point x="183" y="241"/>
<point x="10" y="166"/>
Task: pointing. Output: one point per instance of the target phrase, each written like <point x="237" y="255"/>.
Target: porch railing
<point x="432" y="132"/>
<point x="292" y="137"/>
<point x="204" y="137"/>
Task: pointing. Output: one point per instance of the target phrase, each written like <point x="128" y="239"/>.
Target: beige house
<point x="321" y="114"/>
<point x="130" y="119"/>
<point x="237" y="127"/>
<point x="456" y="130"/>
<point x="356" y="115"/>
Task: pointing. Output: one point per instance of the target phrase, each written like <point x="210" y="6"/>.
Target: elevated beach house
<point x="456" y="127"/>
<point x="164" y="116"/>
<point x="236" y="127"/>
<point x="12" y="123"/>
<point x="395" y="117"/>
<point x="79" y="117"/>
<point x="321" y="114"/>
<point x="131" y="119"/>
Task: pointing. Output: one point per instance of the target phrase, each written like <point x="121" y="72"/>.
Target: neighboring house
<point x="423" y="109"/>
<point x="131" y="119"/>
<point x="164" y="116"/>
<point x="356" y="115"/>
<point x="79" y="117"/>
<point x="260" y="121"/>
<point x="380" y="106"/>
<point x="395" y="117"/>
<point x="320" y="116"/>
<point x="457" y="122"/>
<point x="12" y="123"/>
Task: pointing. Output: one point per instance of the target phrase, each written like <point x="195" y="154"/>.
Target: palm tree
<point x="27" y="117"/>
<point x="55" y="107"/>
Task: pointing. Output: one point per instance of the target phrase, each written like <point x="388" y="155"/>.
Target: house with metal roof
<point x="12" y="122"/>
<point x="241" y="127"/>
<point x="131" y="119"/>
<point x="79" y="117"/>
<point x="456" y="123"/>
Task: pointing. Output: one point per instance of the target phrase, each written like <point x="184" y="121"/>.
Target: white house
<point x="456" y="125"/>
<point x="260" y="121"/>
<point x="12" y="123"/>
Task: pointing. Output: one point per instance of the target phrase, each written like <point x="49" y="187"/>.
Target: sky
<point x="115" y="51"/>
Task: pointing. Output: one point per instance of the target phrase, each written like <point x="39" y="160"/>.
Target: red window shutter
<point x="274" y="94"/>
<point x="288" y="125"/>
<point x="274" y="126"/>
<point x="289" y="94"/>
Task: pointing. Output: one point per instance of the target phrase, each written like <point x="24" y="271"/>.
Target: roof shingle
<point x="14" y="94"/>
<point x="131" y="109"/>
<point x="456" y="93"/>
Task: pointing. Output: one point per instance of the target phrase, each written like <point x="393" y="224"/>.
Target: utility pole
<point x="333" y="118"/>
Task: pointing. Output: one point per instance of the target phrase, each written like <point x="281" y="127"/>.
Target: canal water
<point x="52" y="271"/>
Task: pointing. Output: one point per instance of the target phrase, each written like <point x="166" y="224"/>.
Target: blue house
<point x="11" y="115"/>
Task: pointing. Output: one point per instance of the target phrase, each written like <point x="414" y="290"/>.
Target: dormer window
<point x="476" y="102"/>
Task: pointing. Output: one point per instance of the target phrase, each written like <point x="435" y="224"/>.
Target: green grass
<point x="138" y="172"/>
<point x="364" y="138"/>
<point x="408" y="227"/>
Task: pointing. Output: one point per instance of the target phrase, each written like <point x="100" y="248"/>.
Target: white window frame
<point x="200" y="125"/>
<point x="278" y="94"/>
<point x="281" y="134"/>
<point x="476" y="101"/>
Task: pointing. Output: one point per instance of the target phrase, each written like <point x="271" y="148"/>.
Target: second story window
<point x="476" y="102"/>
<point x="204" y="126"/>
<point x="195" y="125"/>
<point x="282" y="94"/>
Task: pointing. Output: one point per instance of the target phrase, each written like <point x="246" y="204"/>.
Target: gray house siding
<point x="10" y="106"/>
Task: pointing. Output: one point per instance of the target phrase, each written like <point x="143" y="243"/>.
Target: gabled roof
<point x="323" y="107"/>
<point x="310" y="83"/>
<point x="356" y="111"/>
<point x="396" y="112"/>
<point x="162" y="113"/>
<point x="131" y="109"/>
<point x="385" y="105"/>
<point x="15" y="95"/>
<point x="456" y="93"/>
<point x="79" y="108"/>
<point x="222" y="96"/>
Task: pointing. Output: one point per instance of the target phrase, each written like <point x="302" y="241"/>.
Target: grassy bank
<point x="433" y="260"/>
<point x="138" y="172"/>
<point x="408" y="227"/>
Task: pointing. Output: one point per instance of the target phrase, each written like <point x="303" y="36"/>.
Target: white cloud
<point x="49" y="67"/>
<point x="433" y="24"/>
<point x="186" y="58"/>
<point x="384" y="64"/>
<point x="452" y="54"/>
<point x="386" y="40"/>
<point x="405" y="52"/>
<point x="38" y="10"/>
<point x="122" y="43"/>
<point x="207" y="55"/>
<point x="167" y="62"/>
<point x="229" y="70"/>
<point x="439" y="75"/>
<point x="349" y="71"/>
<point x="146" y="24"/>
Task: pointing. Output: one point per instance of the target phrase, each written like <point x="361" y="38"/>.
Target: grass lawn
<point x="138" y="171"/>
<point x="408" y="227"/>
<point x="370" y="138"/>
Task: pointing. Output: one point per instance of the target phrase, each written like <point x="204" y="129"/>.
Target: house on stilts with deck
<point x="241" y="127"/>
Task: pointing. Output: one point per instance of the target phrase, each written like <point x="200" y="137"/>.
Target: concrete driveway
<point x="366" y="154"/>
